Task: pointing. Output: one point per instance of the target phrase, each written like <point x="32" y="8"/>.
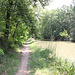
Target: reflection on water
<point x="63" y="48"/>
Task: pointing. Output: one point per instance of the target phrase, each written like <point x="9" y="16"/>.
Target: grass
<point x="65" y="67"/>
<point x="40" y="60"/>
<point x="44" y="62"/>
<point x="9" y="63"/>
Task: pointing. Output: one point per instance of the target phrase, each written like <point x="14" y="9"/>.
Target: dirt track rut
<point x="23" y="68"/>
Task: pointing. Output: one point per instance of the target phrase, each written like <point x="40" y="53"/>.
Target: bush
<point x="9" y="64"/>
<point x="41" y="58"/>
<point x="65" y="67"/>
<point x="46" y="59"/>
<point x="1" y="52"/>
<point x="73" y="34"/>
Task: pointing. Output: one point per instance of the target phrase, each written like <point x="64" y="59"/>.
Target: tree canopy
<point x="21" y="19"/>
<point x="17" y="21"/>
<point x="58" y="24"/>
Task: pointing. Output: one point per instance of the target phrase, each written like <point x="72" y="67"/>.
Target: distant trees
<point x="20" y="19"/>
<point x="59" y="24"/>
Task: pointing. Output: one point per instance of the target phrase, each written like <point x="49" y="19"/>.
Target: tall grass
<point x="65" y="66"/>
<point x="44" y="62"/>
<point x="9" y="63"/>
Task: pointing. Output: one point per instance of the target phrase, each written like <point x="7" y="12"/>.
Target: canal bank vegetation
<point x="44" y="61"/>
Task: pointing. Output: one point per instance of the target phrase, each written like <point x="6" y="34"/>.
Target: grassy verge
<point x="44" y="62"/>
<point x="9" y="63"/>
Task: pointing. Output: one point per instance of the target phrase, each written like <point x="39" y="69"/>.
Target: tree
<point x="71" y="17"/>
<point x="17" y="21"/>
<point x="56" y="21"/>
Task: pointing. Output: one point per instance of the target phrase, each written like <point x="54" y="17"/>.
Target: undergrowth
<point x="45" y="62"/>
<point x="9" y="57"/>
<point x="9" y="63"/>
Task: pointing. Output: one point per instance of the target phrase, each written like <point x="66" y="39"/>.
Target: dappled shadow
<point x="25" y="46"/>
<point x="23" y="68"/>
<point x="31" y="42"/>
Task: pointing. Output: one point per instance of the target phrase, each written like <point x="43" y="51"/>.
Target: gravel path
<point x="23" y="68"/>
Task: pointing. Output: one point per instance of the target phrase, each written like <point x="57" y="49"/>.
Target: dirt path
<point x="23" y="68"/>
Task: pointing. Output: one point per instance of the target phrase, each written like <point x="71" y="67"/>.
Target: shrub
<point x="1" y="52"/>
<point x="65" y="67"/>
<point x="41" y="59"/>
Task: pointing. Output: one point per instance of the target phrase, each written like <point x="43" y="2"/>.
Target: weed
<point x="9" y="63"/>
<point x="44" y="62"/>
<point x="41" y="59"/>
<point x="65" y="66"/>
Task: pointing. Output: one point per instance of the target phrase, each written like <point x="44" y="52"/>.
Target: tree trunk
<point x="8" y="19"/>
<point x="15" y="31"/>
<point x="7" y="25"/>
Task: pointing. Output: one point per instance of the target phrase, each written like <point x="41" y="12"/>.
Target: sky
<point x="58" y="3"/>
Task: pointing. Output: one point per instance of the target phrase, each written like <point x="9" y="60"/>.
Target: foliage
<point x="1" y="52"/>
<point x="73" y="34"/>
<point x="9" y="64"/>
<point x="43" y="61"/>
<point x="65" y="66"/>
<point x="56" y="21"/>
<point x="18" y="21"/>
<point x="42" y="2"/>
<point x="64" y="33"/>
<point x="40" y="58"/>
